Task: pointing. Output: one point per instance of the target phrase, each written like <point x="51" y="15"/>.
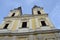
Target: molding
<point x="11" y="25"/>
<point x="31" y="32"/>
<point x="23" y="16"/>
<point x="37" y="23"/>
<point x="30" y="27"/>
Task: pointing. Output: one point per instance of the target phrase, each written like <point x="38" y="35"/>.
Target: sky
<point x="51" y="7"/>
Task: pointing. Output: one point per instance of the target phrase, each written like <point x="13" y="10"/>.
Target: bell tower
<point x="42" y="20"/>
<point x="10" y="21"/>
<point x="15" y="12"/>
<point x="37" y="10"/>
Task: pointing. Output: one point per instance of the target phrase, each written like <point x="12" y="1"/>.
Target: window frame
<point x="7" y="22"/>
<point x="24" y="25"/>
<point x="24" y="20"/>
<point x="42" y="19"/>
<point x="43" y="23"/>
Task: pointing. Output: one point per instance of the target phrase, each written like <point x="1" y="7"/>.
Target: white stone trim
<point x="30" y="21"/>
<point x="23" y="30"/>
<point x="28" y="24"/>
<point x="18" y="24"/>
<point x="45" y="28"/>
<point x="11" y="25"/>
<point x="2" y="25"/>
<point x="37" y="25"/>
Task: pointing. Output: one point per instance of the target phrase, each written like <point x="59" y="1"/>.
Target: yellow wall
<point x="33" y="23"/>
<point x="15" y="25"/>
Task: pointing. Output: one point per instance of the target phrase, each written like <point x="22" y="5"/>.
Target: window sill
<point x="22" y="28"/>
<point x="44" y="26"/>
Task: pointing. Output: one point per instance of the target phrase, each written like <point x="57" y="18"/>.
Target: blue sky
<point x="51" y="7"/>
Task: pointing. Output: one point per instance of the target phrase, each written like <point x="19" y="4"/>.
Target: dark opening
<point x="24" y="24"/>
<point x="13" y="14"/>
<point x="39" y="12"/>
<point x="43" y="23"/>
<point x="5" y="27"/>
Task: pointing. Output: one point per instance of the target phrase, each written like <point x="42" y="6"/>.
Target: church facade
<point x="35" y="26"/>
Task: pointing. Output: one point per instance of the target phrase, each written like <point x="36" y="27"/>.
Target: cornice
<point x="26" y="16"/>
<point x="31" y="32"/>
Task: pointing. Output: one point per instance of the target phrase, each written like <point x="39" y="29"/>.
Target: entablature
<point x="17" y="33"/>
<point x="27" y="16"/>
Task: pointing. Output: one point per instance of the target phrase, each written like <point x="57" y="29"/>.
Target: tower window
<point x="43" y="23"/>
<point x="39" y="12"/>
<point x="13" y="14"/>
<point x="5" y="27"/>
<point x="24" y="24"/>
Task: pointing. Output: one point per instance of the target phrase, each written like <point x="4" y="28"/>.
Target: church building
<point x="35" y="26"/>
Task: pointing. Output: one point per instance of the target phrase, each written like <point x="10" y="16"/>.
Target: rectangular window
<point x="13" y="14"/>
<point x="5" y="27"/>
<point x="43" y="23"/>
<point x="24" y="24"/>
<point x="39" y="12"/>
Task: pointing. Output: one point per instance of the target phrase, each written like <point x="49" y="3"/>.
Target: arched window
<point x="6" y="25"/>
<point x="39" y="12"/>
<point x="13" y="14"/>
